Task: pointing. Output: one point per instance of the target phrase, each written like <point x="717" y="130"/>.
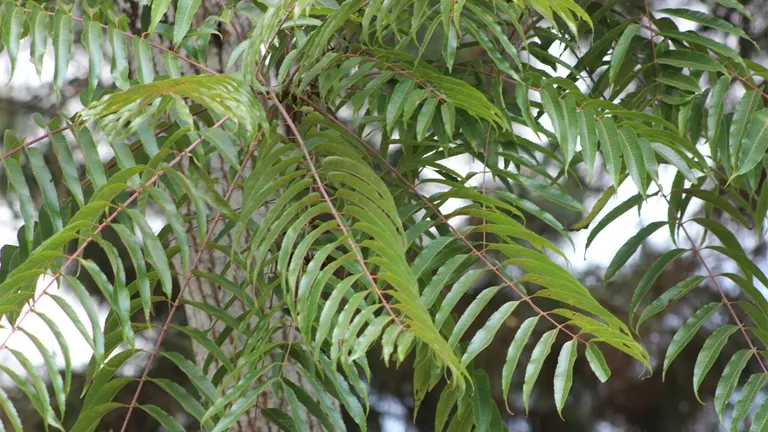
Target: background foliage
<point x="315" y="154"/>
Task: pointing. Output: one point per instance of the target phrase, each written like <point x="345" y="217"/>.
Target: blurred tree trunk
<point x="216" y="262"/>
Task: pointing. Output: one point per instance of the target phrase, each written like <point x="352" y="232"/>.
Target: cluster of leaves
<point x="346" y="240"/>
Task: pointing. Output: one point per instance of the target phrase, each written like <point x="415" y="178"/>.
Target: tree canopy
<point x="310" y="144"/>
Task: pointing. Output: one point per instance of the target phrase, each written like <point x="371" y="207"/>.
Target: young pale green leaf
<point x="755" y="144"/>
<point x="564" y="373"/>
<point x="709" y="353"/>
<point x="686" y="333"/>
<point x="628" y="249"/>
<point x="673" y="293"/>
<point x="597" y="363"/>
<point x="649" y="279"/>
<point x="747" y="397"/>
<point x="62" y="46"/>
<point x="513" y="354"/>
<point x="729" y="380"/>
<point x="610" y="145"/>
<point x="485" y="335"/>
<point x="539" y="354"/>
<point x="621" y="50"/>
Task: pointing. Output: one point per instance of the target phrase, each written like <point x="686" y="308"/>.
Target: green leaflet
<point x="39" y="24"/>
<point x="46" y="185"/>
<point x="397" y="101"/>
<point x="521" y="92"/>
<point x="145" y="67"/>
<point x="513" y="354"/>
<point x="649" y="279"/>
<point x="13" y="25"/>
<point x="673" y="293"/>
<point x="539" y="354"/>
<point x="166" y="420"/>
<point x="628" y="249"/>
<point x="62" y="46"/>
<point x="686" y="333"/>
<point x="10" y="411"/>
<point x="19" y="184"/>
<point x="483" y="404"/>
<point x="715" y="115"/>
<point x="158" y="10"/>
<point x="185" y="12"/>
<point x="92" y="39"/>
<point x="735" y="4"/>
<point x="729" y="380"/>
<point x="706" y="19"/>
<point x="612" y="215"/>
<point x="588" y="138"/>
<point x="693" y="60"/>
<point x="596" y="209"/>
<point x="610" y="146"/>
<point x="597" y="363"/>
<point x="485" y="335"/>
<point x="760" y="421"/>
<point x="742" y="115"/>
<point x="755" y="144"/>
<point x="155" y="252"/>
<point x="633" y="157"/>
<point x="709" y="353"/>
<point x="564" y="373"/>
<point x="747" y="397"/>
<point x="119" y="67"/>
<point x="621" y="49"/>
